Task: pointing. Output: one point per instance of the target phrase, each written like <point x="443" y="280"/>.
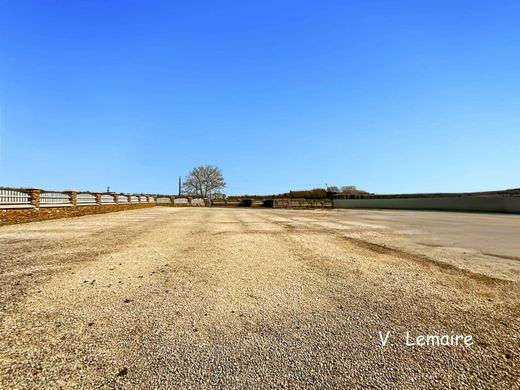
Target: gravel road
<point x="236" y="298"/>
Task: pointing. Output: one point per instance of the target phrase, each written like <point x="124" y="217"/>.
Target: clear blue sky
<point x="391" y="96"/>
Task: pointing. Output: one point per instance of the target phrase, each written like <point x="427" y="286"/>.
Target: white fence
<point x="198" y="202"/>
<point x="14" y="199"/>
<point x="107" y="199"/>
<point x="54" y="199"/>
<point x="122" y="199"/>
<point x="86" y="200"/>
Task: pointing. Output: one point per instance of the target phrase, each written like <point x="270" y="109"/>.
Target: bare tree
<point x="204" y="180"/>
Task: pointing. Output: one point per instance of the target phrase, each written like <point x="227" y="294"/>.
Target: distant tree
<point x="204" y="180"/>
<point x="317" y="193"/>
<point x="332" y="189"/>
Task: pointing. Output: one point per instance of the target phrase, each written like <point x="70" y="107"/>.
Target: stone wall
<point x="14" y="216"/>
<point x="495" y="204"/>
<point x="20" y="205"/>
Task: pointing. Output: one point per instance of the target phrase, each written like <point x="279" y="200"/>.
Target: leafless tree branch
<point x="204" y="180"/>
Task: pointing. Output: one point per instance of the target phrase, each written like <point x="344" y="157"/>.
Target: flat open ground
<point x="179" y="297"/>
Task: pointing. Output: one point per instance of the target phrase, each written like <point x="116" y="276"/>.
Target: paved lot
<point x="481" y="242"/>
<point x="178" y="298"/>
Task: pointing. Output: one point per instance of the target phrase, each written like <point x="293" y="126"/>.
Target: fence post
<point x="34" y="197"/>
<point x="73" y="197"/>
<point x="98" y="198"/>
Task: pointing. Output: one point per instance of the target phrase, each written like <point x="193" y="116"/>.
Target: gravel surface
<point x="237" y="298"/>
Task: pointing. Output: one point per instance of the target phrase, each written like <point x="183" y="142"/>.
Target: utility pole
<point x="180" y="184"/>
<point x="108" y="189"/>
